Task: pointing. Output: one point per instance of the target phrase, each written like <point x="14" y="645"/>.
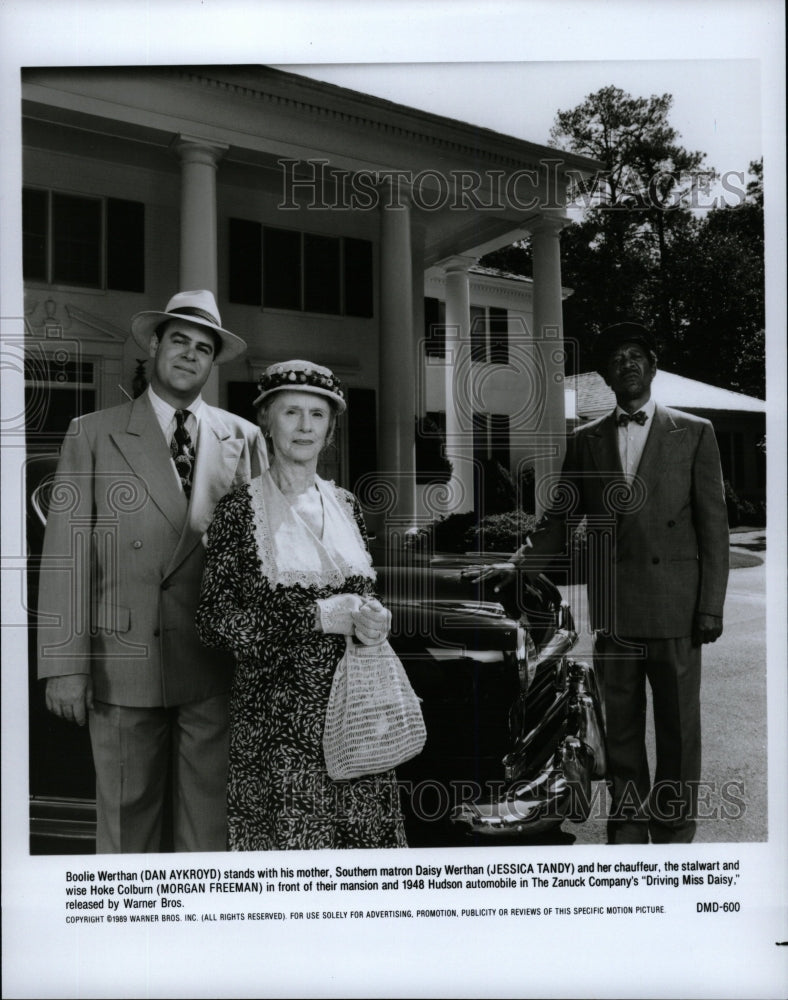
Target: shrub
<point x="500" y="532"/>
<point x="740" y="511"/>
<point x="496" y="487"/>
<point x="447" y="534"/>
<point x="462" y="532"/>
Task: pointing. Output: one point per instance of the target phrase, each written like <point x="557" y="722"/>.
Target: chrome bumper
<point x="562" y="788"/>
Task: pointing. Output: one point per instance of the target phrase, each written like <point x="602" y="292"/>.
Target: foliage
<point x="500" y="532"/>
<point x="495" y="525"/>
<point x="638" y="201"/>
<point x="498" y="492"/>
<point x="645" y="168"/>
<point x="755" y="186"/>
<point x="643" y="249"/>
<point x="743" y="512"/>
<point x="633" y="206"/>
<point x="514" y="259"/>
<point x="719" y="292"/>
<point x="443" y="534"/>
<point x="465" y="532"/>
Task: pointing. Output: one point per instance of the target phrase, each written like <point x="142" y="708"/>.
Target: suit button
<point x="165" y="585"/>
<point x="136" y="544"/>
<point x="157" y="632"/>
<point x="655" y="560"/>
<point x="671" y="524"/>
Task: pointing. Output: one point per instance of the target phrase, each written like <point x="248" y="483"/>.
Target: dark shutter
<point x="76" y="240"/>
<point x="125" y="245"/>
<point x="35" y="207"/>
<point x="358" y="279"/>
<point x="321" y="274"/>
<point x="499" y="438"/>
<point x="499" y="336"/>
<point x="481" y="435"/>
<point x="478" y="333"/>
<point x="245" y="285"/>
<point x="240" y="397"/>
<point x="434" y="328"/>
<point x="281" y="268"/>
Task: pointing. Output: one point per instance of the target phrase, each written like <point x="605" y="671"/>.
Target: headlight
<point x="526" y="656"/>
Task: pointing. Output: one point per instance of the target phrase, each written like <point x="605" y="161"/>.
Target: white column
<point x="198" y="259"/>
<point x="397" y="372"/>
<point x="548" y="334"/>
<point x="458" y="381"/>
<point x="198" y="212"/>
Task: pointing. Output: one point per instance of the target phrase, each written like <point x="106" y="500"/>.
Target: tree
<point x="516" y="258"/>
<point x="719" y="293"/>
<point x="644" y="166"/>
<point x="643" y="250"/>
<point x="755" y="186"/>
<point x="636" y="205"/>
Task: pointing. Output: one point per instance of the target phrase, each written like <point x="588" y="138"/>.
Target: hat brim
<point x="143" y="326"/>
<point x="604" y="348"/>
<point x="340" y="404"/>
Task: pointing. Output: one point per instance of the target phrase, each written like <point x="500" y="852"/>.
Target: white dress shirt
<point x="632" y="439"/>
<point x="165" y="414"/>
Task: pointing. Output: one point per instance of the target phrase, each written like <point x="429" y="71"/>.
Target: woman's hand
<point x="335" y="614"/>
<point x="372" y="623"/>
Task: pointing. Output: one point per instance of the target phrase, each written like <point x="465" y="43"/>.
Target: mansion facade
<point x="330" y="225"/>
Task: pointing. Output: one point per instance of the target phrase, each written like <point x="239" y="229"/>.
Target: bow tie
<point x="639" y="418"/>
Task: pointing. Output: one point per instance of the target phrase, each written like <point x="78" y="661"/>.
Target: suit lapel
<point x="664" y="433"/>
<point x="218" y="454"/>
<point x="615" y="492"/>
<point x="143" y="447"/>
<point x="604" y="448"/>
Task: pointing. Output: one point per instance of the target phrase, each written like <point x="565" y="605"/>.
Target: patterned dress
<point x="279" y="794"/>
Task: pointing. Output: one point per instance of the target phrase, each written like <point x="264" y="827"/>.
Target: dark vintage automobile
<point x="514" y="732"/>
<point x="514" y="725"/>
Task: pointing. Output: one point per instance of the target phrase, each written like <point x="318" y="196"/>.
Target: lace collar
<point x="291" y="554"/>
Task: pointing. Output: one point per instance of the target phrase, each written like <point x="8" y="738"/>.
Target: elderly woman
<point x="287" y="578"/>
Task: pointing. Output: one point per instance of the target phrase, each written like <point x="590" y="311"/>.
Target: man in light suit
<point x="648" y="480"/>
<point x="135" y="491"/>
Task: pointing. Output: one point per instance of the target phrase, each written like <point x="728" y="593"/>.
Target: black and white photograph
<point x="393" y="560"/>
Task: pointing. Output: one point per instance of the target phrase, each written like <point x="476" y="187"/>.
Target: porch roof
<point x="592" y="398"/>
<point x="264" y="115"/>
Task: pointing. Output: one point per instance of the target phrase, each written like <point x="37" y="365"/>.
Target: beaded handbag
<point x="373" y="718"/>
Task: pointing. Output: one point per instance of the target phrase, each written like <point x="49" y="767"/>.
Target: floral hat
<point x="301" y="376"/>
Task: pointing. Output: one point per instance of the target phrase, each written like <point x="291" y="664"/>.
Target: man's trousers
<point x="139" y="753"/>
<point x="666" y="810"/>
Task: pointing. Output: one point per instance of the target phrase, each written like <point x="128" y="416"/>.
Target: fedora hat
<point x="301" y="376"/>
<point x="614" y="336"/>
<point x="197" y="307"/>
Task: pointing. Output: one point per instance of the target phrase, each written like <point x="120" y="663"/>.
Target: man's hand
<point x="70" y="697"/>
<point x="498" y="574"/>
<point x="705" y="628"/>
